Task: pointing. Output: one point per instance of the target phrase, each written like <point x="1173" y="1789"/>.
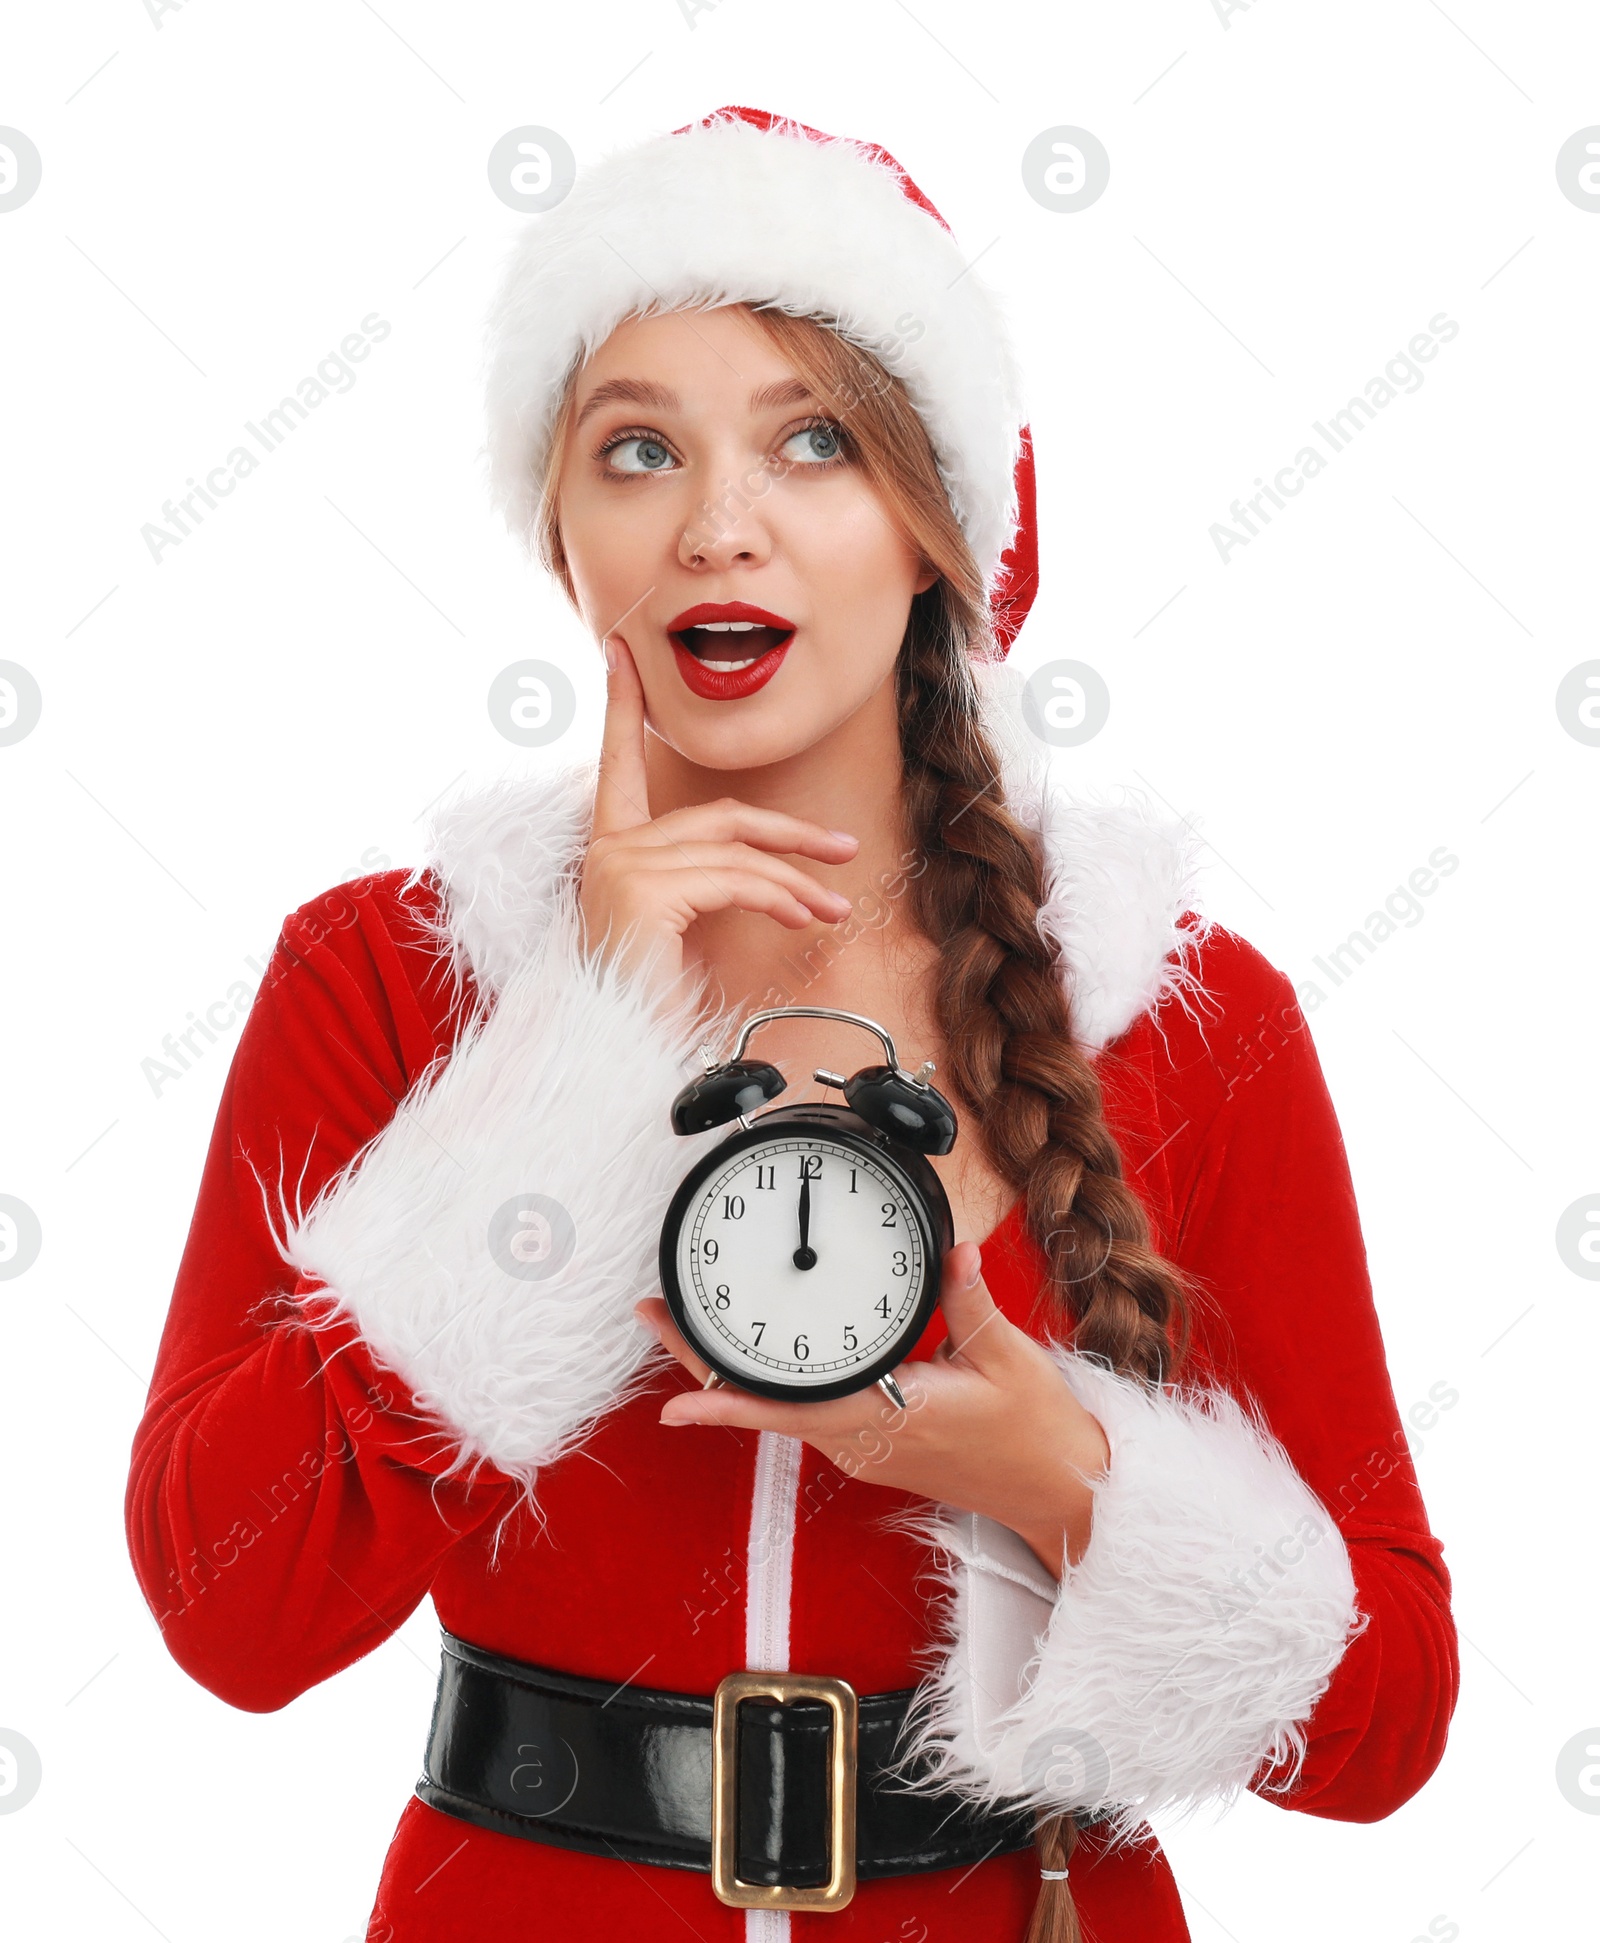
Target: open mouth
<point x="727" y="650"/>
<point x="728" y="646"/>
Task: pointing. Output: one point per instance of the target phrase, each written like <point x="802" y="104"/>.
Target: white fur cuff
<point x="1188" y="1646"/>
<point x="490" y="1242"/>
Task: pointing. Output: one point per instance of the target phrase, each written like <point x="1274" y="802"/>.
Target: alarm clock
<point x="801" y="1256"/>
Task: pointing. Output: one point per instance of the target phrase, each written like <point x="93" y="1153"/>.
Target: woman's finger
<point x="708" y="868"/>
<point x="622" y="795"/>
<point x="653" y="1312"/>
<point x="836" y="1427"/>
<point x="728" y="820"/>
<point x="745" y="890"/>
<point x="976" y="1324"/>
<point x="732" y="1409"/>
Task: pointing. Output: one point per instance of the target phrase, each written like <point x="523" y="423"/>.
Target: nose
<point x="728" y="531"/>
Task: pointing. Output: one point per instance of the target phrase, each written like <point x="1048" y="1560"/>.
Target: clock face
<point x="801" y="1264"/>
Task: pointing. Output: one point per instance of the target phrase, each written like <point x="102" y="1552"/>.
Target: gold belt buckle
<point x="840" y="1698"/>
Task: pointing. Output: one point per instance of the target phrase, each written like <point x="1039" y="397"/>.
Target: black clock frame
<point x="924" y="1195"/>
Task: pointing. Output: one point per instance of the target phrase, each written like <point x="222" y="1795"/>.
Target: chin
<point x="739" y="745"/>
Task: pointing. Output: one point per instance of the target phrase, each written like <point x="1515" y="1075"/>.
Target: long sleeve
<point x="1261" y="1603"/>
<point x="408" y="1288"/>
<point x="285" y="1508"/>
<point x="1270" y="1223"/>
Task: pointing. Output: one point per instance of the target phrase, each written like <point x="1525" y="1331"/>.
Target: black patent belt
<point x="778" y="1784"/>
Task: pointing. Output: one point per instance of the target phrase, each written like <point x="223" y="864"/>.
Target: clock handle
<point x="712" y="1382"/>
<point x="812" y="1012"/>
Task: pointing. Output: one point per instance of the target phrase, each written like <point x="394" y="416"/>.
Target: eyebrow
<point x="633" y="391"/>
<point x="640" y="391"/>
<point x="788" y="391"/>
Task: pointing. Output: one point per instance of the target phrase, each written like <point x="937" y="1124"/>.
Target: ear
<point x="925" y="579"/>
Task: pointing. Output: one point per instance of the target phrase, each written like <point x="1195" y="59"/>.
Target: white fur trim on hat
<point x="729" y="213"/>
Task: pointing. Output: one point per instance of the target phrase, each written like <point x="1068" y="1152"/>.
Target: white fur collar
<point x="1119" y="875"/>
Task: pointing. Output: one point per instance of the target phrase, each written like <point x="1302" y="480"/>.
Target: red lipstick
<point x="728" y="632"/>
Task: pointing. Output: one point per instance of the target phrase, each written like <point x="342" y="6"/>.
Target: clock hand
<point x="805" y="1256"/>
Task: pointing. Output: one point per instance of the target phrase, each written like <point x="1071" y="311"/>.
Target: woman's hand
<point x="661" y="873"/>
<point x="989" y="1424"/>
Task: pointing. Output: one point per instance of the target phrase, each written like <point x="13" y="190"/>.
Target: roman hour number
<point x="810" y="1167"/>
<point x="767" y="1175"/>
<point x="733" y="1207"/>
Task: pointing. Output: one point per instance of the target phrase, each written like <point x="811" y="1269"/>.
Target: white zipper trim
<point x="769" y="1578"/>
<point x="769" y="1554"/>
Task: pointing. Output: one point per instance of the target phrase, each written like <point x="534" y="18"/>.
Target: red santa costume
<point x="1262" y="1603"/>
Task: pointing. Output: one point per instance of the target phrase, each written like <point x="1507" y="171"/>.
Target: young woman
<point x="1144" y="1532"/>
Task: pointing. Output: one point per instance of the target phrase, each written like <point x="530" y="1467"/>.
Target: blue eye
<point x="639" y="455"/>
<point x="814" y="445"/>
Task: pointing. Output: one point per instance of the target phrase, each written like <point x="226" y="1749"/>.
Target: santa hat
<point x="746" y="207"/>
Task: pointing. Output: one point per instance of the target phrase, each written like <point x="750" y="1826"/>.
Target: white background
<point x="1295" y="191"/>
